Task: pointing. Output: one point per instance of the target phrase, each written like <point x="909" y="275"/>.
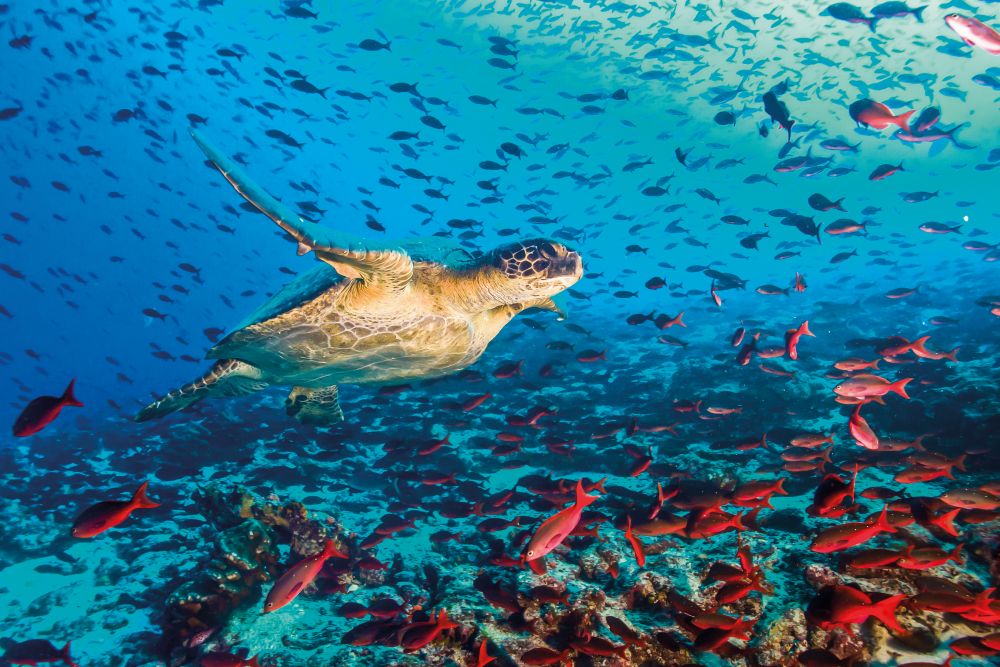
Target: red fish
<point x="746" y="352"/>
<point x="591" y="356"/>
<point x="541" y="656"/>
<point x="830" y="493"/>
<point x="975" y="33"/>
<point x="298" y="576"/>
<point x="640" y="555"/>
<point x="509" y="370"/>
<point x="706" y="523"/>
<point x="851" y="534"/>
<point x="557" y="527"/>
<point x="861" y="431"/>
<point x="484" y="658"/>
<point x="841" y="606"/>
<point x="40" y="412"/>
<point x="37" y="652"/>
<point x="475" y="402"/>
<point x="855" y="364"/>
<point x="759" y="489"/>
<point x="227" y="660"/>
<point x="918" y="474"/>
<point x="875" y="114"/>
<point x="108" y="514"/>
<point x="792" y="337"/>
<point x="665" y="321"/>
<point x="415" y="636"/>
<point x="870" y="386"/>
<point x="925" y="558"/>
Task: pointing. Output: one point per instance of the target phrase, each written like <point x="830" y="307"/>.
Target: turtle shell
<point x="311" y="284"/>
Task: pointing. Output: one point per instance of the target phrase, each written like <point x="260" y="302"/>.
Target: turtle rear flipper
<point x="228" y="377"/>
<point x="349" y="256"/>
<point x="320" y="407"/>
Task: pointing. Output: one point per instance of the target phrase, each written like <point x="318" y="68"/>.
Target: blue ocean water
<point x="126" y="255"/>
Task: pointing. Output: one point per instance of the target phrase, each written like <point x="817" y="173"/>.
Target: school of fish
<point x="760" y="428"/>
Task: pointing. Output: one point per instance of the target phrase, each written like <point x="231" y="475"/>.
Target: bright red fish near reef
<point x="108" y="514"/>
<point x="557" y="527"/>
<point x="298" y="576"/>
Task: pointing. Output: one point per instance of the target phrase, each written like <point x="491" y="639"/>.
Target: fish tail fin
<point x="918" y="13"/>
<point x="68" y="398"/>
<point x="871" y="25"/>
<point x="956" y="554"/>
<point x="330" y="550"/>
<point x="679" y="319"/>
<point x="960" y="462"/>
<point x="825" y="456"/>
<point x="854" y="481"/>
<point x="900" y="387"/>
<point x="65" y="656"/>
<point x="885" y="611"/>
<point x="599" y="485"/>
<point x="582" y="499"/>
<point x="954" y="140"/>
<point x="779" y="488"/>
<point x="883" y="521"/>
<point x="140" y="500"/>
<point x="875" y="364"/>
<point x="804" y="329"/>
<point x="903" y="119"/>
<point x="946" y="521"/>
<point x="952" y="356"/>
<point x="918" y="347"/>
<point x="444" y="622"/>
<point x="985" y="599"/>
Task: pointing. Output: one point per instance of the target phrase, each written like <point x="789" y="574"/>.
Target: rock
<point x="244" y="555"/>
<point x="820" y="576"/>
<point x="784" y="639"/>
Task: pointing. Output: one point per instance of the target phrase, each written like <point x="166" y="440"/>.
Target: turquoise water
<point x="126" y="256"/>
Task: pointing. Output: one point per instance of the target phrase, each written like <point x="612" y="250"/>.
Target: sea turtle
<point x="370" y="314"/>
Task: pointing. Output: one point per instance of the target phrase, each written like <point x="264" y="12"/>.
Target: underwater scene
<point x="585" y="333"/>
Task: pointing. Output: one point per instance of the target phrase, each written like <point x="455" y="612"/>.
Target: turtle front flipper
<point x="349" y="256"/>
<point x="228" y="377"/>
<point x="320" y="407"/>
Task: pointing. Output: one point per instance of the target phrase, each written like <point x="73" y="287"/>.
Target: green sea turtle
<point x="370" y="314"/>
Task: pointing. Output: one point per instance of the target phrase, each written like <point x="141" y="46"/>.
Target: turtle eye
<point x="548" y="250"/>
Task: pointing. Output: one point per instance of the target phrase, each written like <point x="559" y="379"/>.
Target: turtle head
<point x="533" y="269"/>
